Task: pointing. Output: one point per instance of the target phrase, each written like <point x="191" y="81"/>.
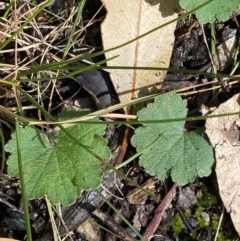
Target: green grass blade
<point x="9" y="8"/>
<point x="139" y="153"/>
<point x="151" y="31"/>
<point x="120" y="215"/>
<point x="103" y="228"/>
<point x="3" y="150"/>
<point x="21" y="171"/>
<point x="60" y="66"/>
<point x="88" y="56"/>
<point x="51" y="215"/>
<point x="76" y="22"/>
<point x="50" y="117"/>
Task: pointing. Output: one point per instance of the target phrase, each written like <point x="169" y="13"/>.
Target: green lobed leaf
<point x="63" y="171"/>
<point x="216" y="9"/>
<point x="171" y="150"/>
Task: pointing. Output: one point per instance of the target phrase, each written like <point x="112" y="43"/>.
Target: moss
<point x="201" y="221"/>
<point x="208" y="198"/>
<point x="225" y="237"/>
<point x="194" y="235"/>
<point x="177" y="224"/>
<point x="215" y="221"/>
<point x="187" y="214"/>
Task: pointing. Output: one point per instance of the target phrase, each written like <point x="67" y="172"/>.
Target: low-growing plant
<point x="177" y="224"/>
<point x="213" y="10"/>
<point x="200" y="219"/>
<point x="169" y="150"/>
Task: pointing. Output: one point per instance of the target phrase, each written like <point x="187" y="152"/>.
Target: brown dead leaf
<point x="8" y="239"/>
<point x="224" y="55"/>
<point x="126" y="20"/>
<point x="137" y="195"/>
<point x="224" y="135"/>
<point x="91" y="229"/>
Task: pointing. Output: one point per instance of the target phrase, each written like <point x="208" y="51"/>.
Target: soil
<point x="195" y="211"/>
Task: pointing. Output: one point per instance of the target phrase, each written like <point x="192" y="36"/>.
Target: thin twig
<point x="124" y="146"/>
<point x="149" y="232"/>
<point x="219" y="224"/>
<point x="115" y="227"/>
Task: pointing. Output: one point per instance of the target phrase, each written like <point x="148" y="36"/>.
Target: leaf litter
<point x="153" y="50"/>
<point x="224" y="135"/>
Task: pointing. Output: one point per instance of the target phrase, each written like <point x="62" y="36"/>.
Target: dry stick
<point x="152" y="227"/>
<point x="115" y="227"/>
<point x="111" y="236"/>
<point x="53" y="223"/>
<point x="184" y="219"/>
<point x="219" y="224"/>
<point x="124" y="146"/>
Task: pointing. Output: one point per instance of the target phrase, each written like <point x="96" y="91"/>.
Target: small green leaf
<point x="172" y="151"/>
<point x="63" y="171"/>
<point x="216" y="9"/>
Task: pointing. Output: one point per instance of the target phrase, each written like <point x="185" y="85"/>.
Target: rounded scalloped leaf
<point x="167" y="148"/>
<point x="61" y="172"/>
<point x="216" y="9"/>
